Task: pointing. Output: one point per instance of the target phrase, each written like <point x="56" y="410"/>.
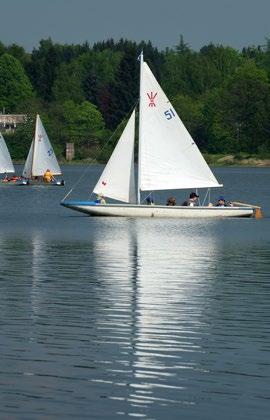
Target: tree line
<point x="84" y="93"/>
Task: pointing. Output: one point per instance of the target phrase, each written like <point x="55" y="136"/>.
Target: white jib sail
<point x="27" y="170"/>
<point x="6" y="164"/>
<point x="168" y="157"/>
<point x="117" y="179"/>
<point x="43" y="156"/>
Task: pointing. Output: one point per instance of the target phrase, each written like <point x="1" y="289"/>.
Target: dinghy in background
<point x="41" y="157"/>
<point x="7" y="167"/>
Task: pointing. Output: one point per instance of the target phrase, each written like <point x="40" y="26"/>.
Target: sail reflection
<point x="141" y="317"/>
<point x="39" y="256"/>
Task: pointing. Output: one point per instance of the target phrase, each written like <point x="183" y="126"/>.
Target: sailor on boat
<point x="149" y="200"/>
<point x="171" y="201"/>
<point x="48" y="176"/>
<point x="13" y="178"/>
<point x="222" y="203"/>
<point x="100" y="199"/>
<point x="192" y="201"/>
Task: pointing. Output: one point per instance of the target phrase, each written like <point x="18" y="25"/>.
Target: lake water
<point x="107" y="318"/>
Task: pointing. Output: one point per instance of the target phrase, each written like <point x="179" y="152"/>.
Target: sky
<point x="236" y="23"/>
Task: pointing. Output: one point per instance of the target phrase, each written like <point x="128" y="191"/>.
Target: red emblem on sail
<point x="151" y="97"/>
<point x="104" y="183"/>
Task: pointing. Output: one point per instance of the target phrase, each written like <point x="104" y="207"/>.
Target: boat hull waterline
<point x="131" y="210"/>
<point x="20" y="182"/>
<point x="47" y="184"/>
<point x="33" y="183"/>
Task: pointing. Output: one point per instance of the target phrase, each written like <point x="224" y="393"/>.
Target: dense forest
<point x="84" y="93"/>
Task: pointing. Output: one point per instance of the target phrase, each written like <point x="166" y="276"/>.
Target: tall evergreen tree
<point x="15" y="87"/>
<point x="125" y="89"/>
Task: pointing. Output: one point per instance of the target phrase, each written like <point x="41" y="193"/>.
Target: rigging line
<point x="99" y="152"/>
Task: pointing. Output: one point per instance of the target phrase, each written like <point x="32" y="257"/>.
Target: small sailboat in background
<point x="41" y="158"/>
<point x="7" y="167"/>
<point x="168" y="159"/>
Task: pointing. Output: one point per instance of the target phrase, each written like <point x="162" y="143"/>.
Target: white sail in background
<point x="117" y="179"/>
<point x="6" y="165"/>
<point x="44" y="157"/>
<point x="27" y="170"/>
<point x="168" y="156"/>
<point x="41" y="155"/>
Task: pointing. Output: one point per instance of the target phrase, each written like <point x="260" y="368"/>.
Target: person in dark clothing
<point x="171" y="201"/>
<point x="150" y="200"/>
<point x="192" y="201"/>
<point x="221" y="202"/>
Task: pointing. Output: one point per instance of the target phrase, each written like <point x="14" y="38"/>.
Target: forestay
<point x="6" y="164"/>
<point x="168" y="156"/>
<point x="117" y="179"/>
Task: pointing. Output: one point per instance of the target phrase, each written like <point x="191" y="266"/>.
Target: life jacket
<point x="48" y="176"/>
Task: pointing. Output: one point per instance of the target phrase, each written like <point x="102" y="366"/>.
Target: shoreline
<point x="239" y="160"/>
<point x="219" y="160"/>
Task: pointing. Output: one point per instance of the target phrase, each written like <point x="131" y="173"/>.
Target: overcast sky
<point x="236" y="23"/>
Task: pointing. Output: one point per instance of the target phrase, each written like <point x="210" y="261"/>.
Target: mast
<point x="140" y="134"/>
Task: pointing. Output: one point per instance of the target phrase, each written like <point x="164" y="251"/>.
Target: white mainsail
<point x="117" y="179"/>
<point x="168" y="156"/>
<point x="41" y="155"/>
<point x="6" y="165"/>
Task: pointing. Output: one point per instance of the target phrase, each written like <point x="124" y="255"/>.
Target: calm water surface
<point x="114" y="318"/>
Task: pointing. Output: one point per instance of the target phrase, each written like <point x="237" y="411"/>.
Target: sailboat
<point x="41" y="157"/>
<point x="168" y="159"/>
<point x="6" y="166"/>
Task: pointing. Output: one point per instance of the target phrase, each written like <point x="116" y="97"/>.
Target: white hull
<point x="131" y="210"/>
<point x="55" y="183"/>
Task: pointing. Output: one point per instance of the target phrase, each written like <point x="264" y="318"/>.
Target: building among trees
<point x="8" y="122"/>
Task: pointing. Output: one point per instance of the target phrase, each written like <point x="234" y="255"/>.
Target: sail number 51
<point x="169" y="114"/>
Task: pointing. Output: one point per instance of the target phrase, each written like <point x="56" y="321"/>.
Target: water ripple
<point x="136" y="318"/>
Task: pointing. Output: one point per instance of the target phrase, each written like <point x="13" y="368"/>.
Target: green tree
<point x="19" y="52"/>
<point x="190" y="112"/>
<point x="101" y="69"/>
<point x="2" y="48"/>
<point x="182" y="47"/>
<point x="176" y="72"/>
<point x="239" y="112"/>
<point x="15" y="87"/>
<point x="82" y="124"/>
<point x="125" y="90"/>
<point x="20" y="140"/>
<point x="43" y="68"/>
<point x="191" y="73"/>
<point x="68" y="84"/>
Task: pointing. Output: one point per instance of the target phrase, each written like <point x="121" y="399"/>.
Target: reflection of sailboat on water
<point x="168" y="159"/>
<point x="41" y="158"/>
<point x="153" y="308"/>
